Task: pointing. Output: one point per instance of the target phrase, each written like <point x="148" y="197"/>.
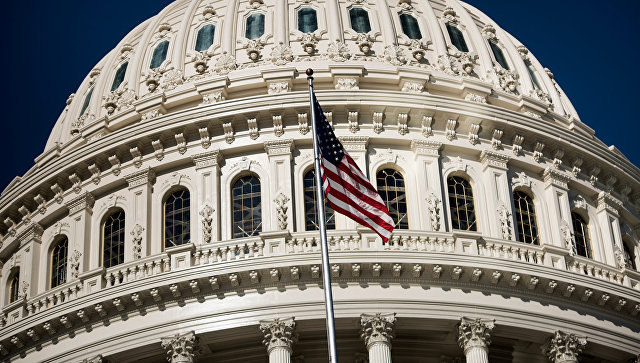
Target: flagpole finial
<point x="309" y="72"/>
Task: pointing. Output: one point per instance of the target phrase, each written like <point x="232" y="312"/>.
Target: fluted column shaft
<point x="279" y="337"/>
<point x="377" y="332"/>
<point x="474" y="336"/>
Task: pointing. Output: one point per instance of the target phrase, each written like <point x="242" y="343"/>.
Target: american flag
<point x="347" y="189"/>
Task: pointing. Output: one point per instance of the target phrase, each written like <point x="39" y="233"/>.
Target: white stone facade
<point x="421" y="107"/>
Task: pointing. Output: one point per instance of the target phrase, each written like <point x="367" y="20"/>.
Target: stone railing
<point x="341" y="241"/>
<point x="136" y="270"/>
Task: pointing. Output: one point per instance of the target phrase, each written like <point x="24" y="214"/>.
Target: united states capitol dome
<point x="172" y="212"/>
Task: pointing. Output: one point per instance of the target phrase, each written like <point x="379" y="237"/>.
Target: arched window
<point x="59" y="262"/>
<point x="113" y="239"/>
<point x="307" y="20"/>
<point x="205" y="37"/>
<point x="310" y="210"/>
<point x="247" y="208"/>
<point x="457" y="39"/>
<point x="359" y="20"/>
<point x="497" y="53"/>
<point x="87" y="99"/>
<point x="532" y="74"/>
<point x="14" y="287"/>
<point x="391" y="189"/>
<point x="177" y="215"/>
<point x="159" y="54"/>
<point x="255" y="26"/>
<point x="410" y="26"/>
<point x="581" y="235"/>
<point x="463" y="215"/>
<point x="629" y="257"/>
<point x="119" y="77"/>
<point x="526" y="218"/>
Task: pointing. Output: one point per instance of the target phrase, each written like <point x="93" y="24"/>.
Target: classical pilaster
<point x="377" y="332"/>
<point x="608" y="219"/>
<point x="140" y="184"/>
<point x="428" y="178"/>
<point x="97" y="359"/>
<point x="80" y="211"/>
<point x="497" y="184"/>
<point x="474" y="336"/>
<point x="181" y="348"/>
<point x="475" y="37"/>
<point x="228" y="33"/>
<point x="564" y="347"/>
<point x="279" y="337"/>
<point x="279" y="153"/>
<point x="334" y="23"/>
<point x="561" y="228"/>
<point x="208" y="199"/>
<point x="30" y="241"/>
<point x="281" y="28"/>
<point x="386" y="23"/>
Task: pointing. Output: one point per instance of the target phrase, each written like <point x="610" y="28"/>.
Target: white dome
<point x="173" y="197"/>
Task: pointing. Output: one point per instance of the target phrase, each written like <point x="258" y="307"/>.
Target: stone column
<point x="80" y="211"/>
<point x="377" y="332"/>
<point x="429" y="179"/>
<point x="281" y="30"/>
<point x="610" y="225"/>
<point x="30" y="242"/>
<point x="497" y="185"/>
<point x="334" y="23"/>
<point x="564" y="347"/>
<point x="228" y="35"/>
<point x="181" y="348"/>
<point x="474" y="336"/>
<point x="279" y="336"/>
<point x="386" y="23"/>
<point x="140" y="184"/>
<point x="556" y="185"/>
<point x="279" y="152"/>
<point x="208" y="202"/>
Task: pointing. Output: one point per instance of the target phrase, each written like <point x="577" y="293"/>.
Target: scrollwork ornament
<point x="338" y="51"/>
<point x="504" y="216"/>
<point x="394" y="55"/>
<point x="279" y="333"/>
<point x="281" y="54"/>
<point x="225" y="63"/>
<point x="433" y="206"/>
<point x="74" y="263"/>
<point x="254" y="48"/>
<point x="136" y="233"/>
<point x="281" y="209"/>
<point x="207" y="220"/>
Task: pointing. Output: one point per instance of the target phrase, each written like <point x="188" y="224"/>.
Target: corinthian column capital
<point x="377" y="328"/>
<point x="181" y="348"/>
<point x="279" y="333"/>
<point x="474" y="333"/>
<point x="564" y="347"/>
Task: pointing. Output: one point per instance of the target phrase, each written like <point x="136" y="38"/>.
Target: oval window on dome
<point x="119" y="77"/>
<point x="159" y="54"/>
<point x="87" y="99"/>
<point x="457" y="39"/>
<point x="307" y="20"/>
<point x="205" y="37"/>
<point x="359" y="20"/>
<point x="498" y="55"/>
<point x="255" y="26"/>
<point x="410" y="26"/>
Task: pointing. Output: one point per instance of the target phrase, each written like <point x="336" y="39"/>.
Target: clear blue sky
<point x="591" y="47"/>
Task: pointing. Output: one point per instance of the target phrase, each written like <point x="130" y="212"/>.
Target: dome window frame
<point x="400" y="219"/>
<point x="367" y="18"/>
<point x="58" y="273"/>
<point x="198" y="32"/>
<point x="472" y="223"/>
<point x="254" y="209"/>
<point x="402" y="25"/>
<point x="582" y="241"/>
<point x="532" y="225"/>
<point x="121" y="257"/>
<point x="116" y="84"/>
<point x="308" y="192"/>
<point x="186" y="220"/>
<point x="152" y="54"/>
<point x="446" y="25"/>
<point x="498" y="55"/>
<point x="245" y="23"/>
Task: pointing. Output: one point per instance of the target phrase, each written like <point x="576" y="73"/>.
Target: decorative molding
<point x="141" y="177"/>
<point x="252" y="124"/>
<point x="564" y="347"/>
<point x="282" y="201"/>
<point x="427" y="124"/>
<point x="553" y="177"/>
<point x="228" y="132"/>
<point x="425" y="147"/>
<point x="377" y="328"/>
<point x="496" y="139"/>
<point x="537" y="151"/>
<point x="205" y="139"/>
<point x="278" y="129"/>
<point x="608" y="203"/>
<point x="158" y="149"/>
<point x="517" y="144"/>
<point x="475" y="333"/>
<point x="279" y="333"/>
<point x="377" y="122"/>
<point x="303" y="123"/>
<point x="279" y="147"/>
<point x="208" y="159"/>
<point x="181" y="348"/>
<point x="504" y="216"/>
<point x="207" y="223"/>
<point x="494" y="159"/>
<point x="402" y="123"/>
<point x="82" y="202"/>
<point x="450" y="131"/>
<point x="433" y="206"/>
<point x="181" y="143"/>
<point x="354" y="143"/>
<point x="352" y="119"/>
<point x="136" y="241"/>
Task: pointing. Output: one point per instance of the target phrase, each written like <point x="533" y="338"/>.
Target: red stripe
<point x="356" y="218"/>
<point x="356" y="192"/>
<point x="375" y="219"/>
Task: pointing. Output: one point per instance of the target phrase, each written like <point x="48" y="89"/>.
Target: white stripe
<point x="368" y="207"/>
<point x="370" y="192"/>
<point x="374" y="226"/>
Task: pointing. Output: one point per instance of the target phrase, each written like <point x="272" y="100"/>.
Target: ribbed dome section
<point x="448" y="48"/>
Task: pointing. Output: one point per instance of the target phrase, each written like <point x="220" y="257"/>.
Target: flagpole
<point x="326" y="272"/>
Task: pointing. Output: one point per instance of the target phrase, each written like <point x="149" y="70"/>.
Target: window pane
<point x="119" y="77"/>
<point x="255" y="26"/>
<point x="59" y="263"/>
<point x="457" y="38"/>
<point x="177" y="218"/>
<point x="525" y="218"/>
<point x="410" y="26"/>
<point x="205" y="37"/>
<point x="463" y="216"/>
<point x="247" y="208"/>
<point x="14" y="287"/>
<point x="307" y="20"/>
<point x="159" y="54"/>
<point x="113" y="240"/>
<point x="310" y="205"/>
<point x="87" y="99"/>
<point x="497" y="53"/>
<point x="359" y="20"/>
<point x="581" y="236"/>
<point x="391" y="190"/>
